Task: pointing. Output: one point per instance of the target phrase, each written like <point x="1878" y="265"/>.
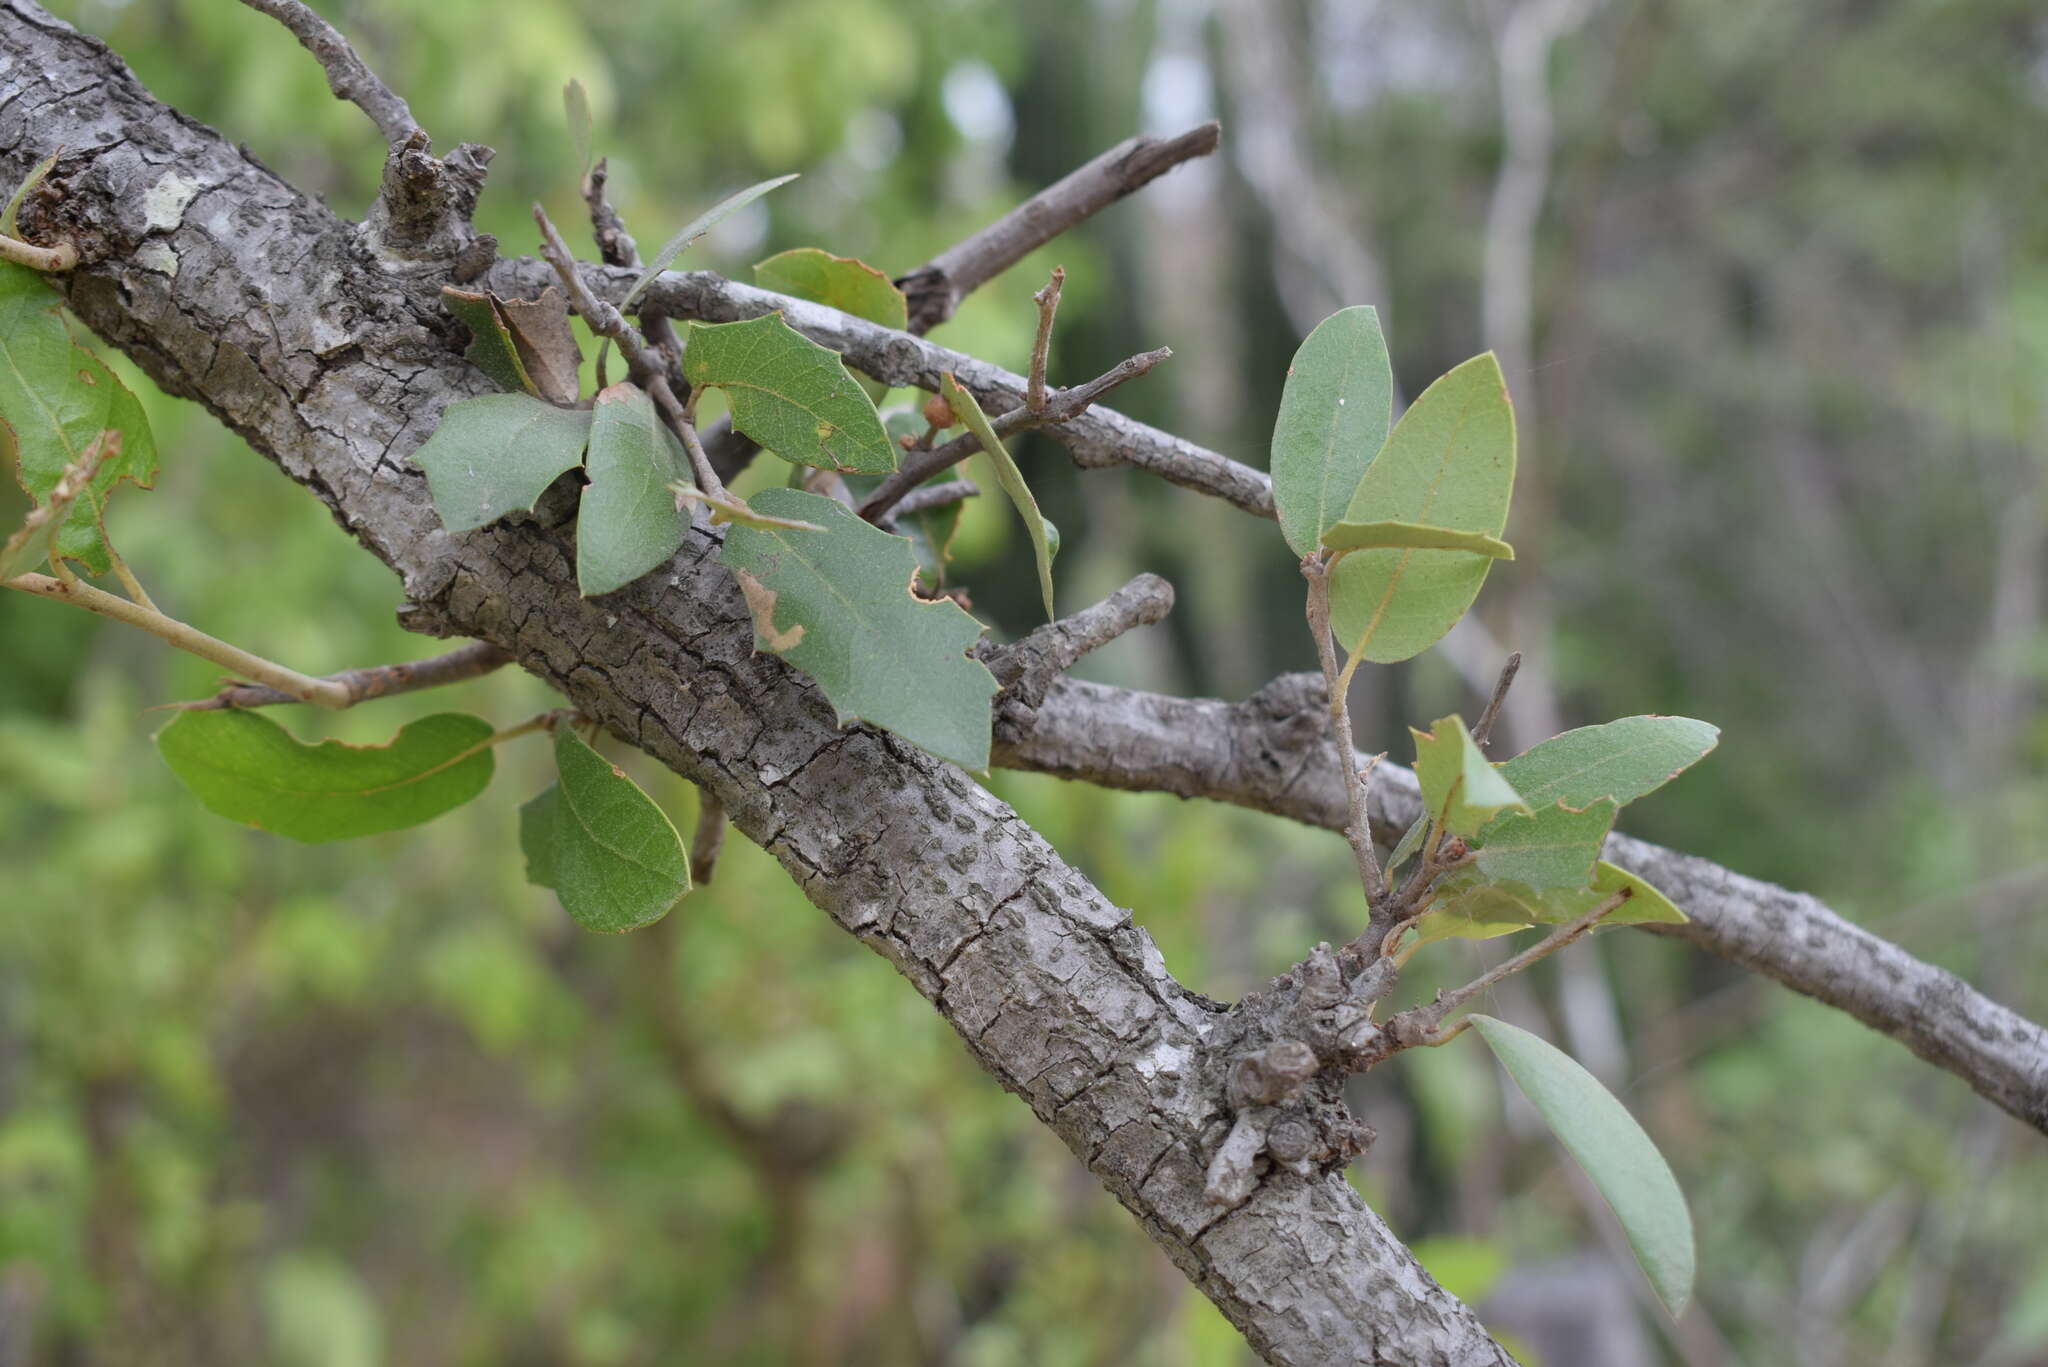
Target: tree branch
<point x="472" y="661"/>
<point x="348" y="76"/>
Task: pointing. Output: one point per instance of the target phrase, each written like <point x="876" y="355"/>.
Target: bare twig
<point x="617" y="247"/>
<point x="1048" y="301"/>
<point x="936" y="288"/>
<point x="375" y="681"/>
<point x="1357" y="783"/>
<point x="926" y="497"/>
<point x="709" y="837"/>
<point x="61" y="257"/>
<point x="1500" y="693"/>
<point x="1056" y="646"/>
<point x="347" y="75"/>
<point x="1062" y="406"/>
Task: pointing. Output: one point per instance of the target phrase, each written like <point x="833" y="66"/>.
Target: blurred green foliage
<point x="383" y="1103"/>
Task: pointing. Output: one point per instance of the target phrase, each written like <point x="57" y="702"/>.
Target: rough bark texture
<point x="329" y="353"/>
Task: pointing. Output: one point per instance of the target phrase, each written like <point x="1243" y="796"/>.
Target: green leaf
<point x="628" y="523"/>
<point x="607" y="849"/>
<point x="789" y="394"/>
<point x="1450" y="462"/>
<point x="1612" y="1148"/>
<point x="497" y="454"/>
<point x="838" y="281"/>
<point x="1367" y="536"/>
<point x="55" y="400"/>
<point x="1040" y="531"/>
<point x="1461" y="919"/>
<point x="576" y="106"/>
<point x="837" y="605"/>
<point x="930" y="531"/>
<point x="247" y="768"/>
<point x="1332" y="422"/>
<point x="1468" y="894"/>
<point x="491" y="348"/>
<point x="1549" y="847"/>
<point x="29" y="544"/>
<point x="1459" y="787"/>
<point x="1622" y="760"/>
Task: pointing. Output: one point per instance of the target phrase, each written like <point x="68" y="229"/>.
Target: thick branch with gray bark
<point x="1053" y="989"/>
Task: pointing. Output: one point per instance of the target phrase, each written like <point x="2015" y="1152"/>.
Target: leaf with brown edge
<point x="491" y="348"/>
<point x="547" y="346"/>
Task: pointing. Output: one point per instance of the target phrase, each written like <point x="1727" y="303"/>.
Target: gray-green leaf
<point x="1332" y="422"/>
<point x="1612" y="1148"/>
<point x="1622" y="760"/>
<point x="1549" y="847"/>
<point x="1369" y="536"/>
<point x="247" y="768"/>
<point x="490" y="348"/>
<point x="607" y="849"/>
<point x="496" y="454"/>
<point x="789" y="394"/>
<point x="1459" y="787"/>
<point x="1450" y="462"/>
<point x="628" y="522"/>
<point x="837" y="604"/>
<point x="1040" y="531"/>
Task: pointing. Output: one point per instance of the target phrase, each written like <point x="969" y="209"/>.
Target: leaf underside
<point x="610" y="853"/>
<point x="1332" y="422"/>
<point x="498" y="454"/>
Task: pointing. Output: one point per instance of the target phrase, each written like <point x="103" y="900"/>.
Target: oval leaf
<point x="1547" y="847"/>
<point x="607" y="849"/>
<point x="1332" y="422"/>
<point x="1040" y="531"/>
<point x="1611" y="1147"/>
<point x="1621" y="760"/>
<point x="789" y="394"/>
<point x="839" y="282"/>
<point x="1367" y="536"/>
<point x="628" y="522"/>
<point x="837" y="604"/>
<point x="1449" y="463"/>
<point x="498" y="454"/>
<point x="247" y="768"/>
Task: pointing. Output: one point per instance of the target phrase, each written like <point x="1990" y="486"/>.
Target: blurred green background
<point x="1770" y="282"/>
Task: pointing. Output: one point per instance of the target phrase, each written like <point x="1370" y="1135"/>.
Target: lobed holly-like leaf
<point x="1622" y="760"/>
<point x="610" y="853"/>
<point x="243" y="766"/>
<point x="55" y="400"/>
<point x="1450" y="462"/>
<point x="1332" y="422"/>
<point x="490" y="348"/>
<point x="837" y="604"/>
<point x="1605" y="1139"/>
<point x="1459" y="787"/>
<point x="789" y="394"/>
<point x="497" y="454"/>
<point x="1043" y="535"/>
<point x="840" y="282"/>
<point x="628" y="522"/>
<point x="1547" y="847"/>
<point x="1371" y="536"/>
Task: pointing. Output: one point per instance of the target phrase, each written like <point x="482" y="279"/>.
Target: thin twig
<point x="192" y="641"/>
<point x="375" y="681"/>
<point x="937" y="287"/>
<point x="347" y="75"/>
<point x="61" y="257"/>
<point x="1048" y="301"/>
<point x="708" y="839"/>
<point x="617" y="248"/>
<point x="1055" y="647"/>
<point x="927" y="497"/>
<point x="129" y="583"/>
<point x="1500" y="694"/>
<point x="1062" y="406"/>
<point x="1357" y="793"/>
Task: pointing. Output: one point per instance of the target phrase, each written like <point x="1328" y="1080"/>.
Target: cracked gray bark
<point x="229" y="287"/>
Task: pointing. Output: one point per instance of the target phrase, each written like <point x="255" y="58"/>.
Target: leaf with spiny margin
<point x="1332" y="422"/>
<point x="1459" y="788"/>
<point x="840" y="282"/>
<point x="1043" y="535"/>
<point x="1450" y="462"/>
<point x="497" y="454"/>
<point x="490" y="348"/>
<point x="837" y="605"/>
<point x="789" y="394"/>
<point x="1623" y="760"/>
<point x="247" y="768"/>
<point x="29" y="544"/>
<point x="1546" y="848"/>
<point x="1612" y="1148"/>
<point x="607" y="849"/>
<point x="1370" y="536"/>
<point x="547" y="345"/>
<point x="1467" y="893"/>
<point x="628" y="523"/>
<point x="55" y="399"/>
<point x="576" y="106"/>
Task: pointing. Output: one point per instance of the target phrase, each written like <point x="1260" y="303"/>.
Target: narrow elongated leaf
<point x="789" y="394"/>
<point x="1605" y="1139"/>
<point x="628" y="523"/>
<point x="576" y="106"/>
<point x="1040" y="531"/>
<point x="1450" y="462"/>
<point x="1548" y="847"/>
<point x="607" y="849"/>
<point x="837" y="605"/>
<point x="1332" y="422"/>
<point x="840" y="282"/>
<point x="490" y="348"/>
<point x="1459" y="787"/>
<point x="496" y="454"/>
<point x="1622" y="760"/>
<point x="247" y="768"/>
<point x="1367" y="536"/>
<point x="55" y="399"/>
